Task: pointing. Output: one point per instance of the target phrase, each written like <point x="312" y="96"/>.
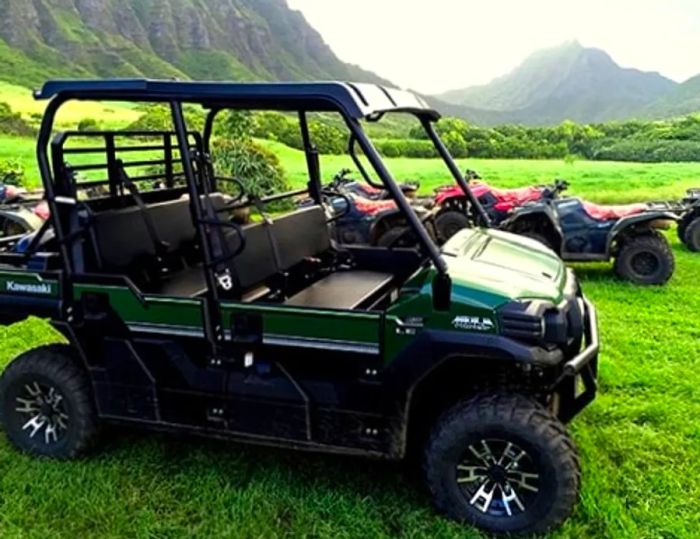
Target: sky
<point x="438" y="45"/>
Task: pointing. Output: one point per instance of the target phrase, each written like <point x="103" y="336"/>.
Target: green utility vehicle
<point x="176" y="318"/>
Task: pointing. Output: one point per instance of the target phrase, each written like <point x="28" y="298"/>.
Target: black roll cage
<point x="58" y="195"/>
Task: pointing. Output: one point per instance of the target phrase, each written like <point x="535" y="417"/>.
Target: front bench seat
<point x="342" y="290"/>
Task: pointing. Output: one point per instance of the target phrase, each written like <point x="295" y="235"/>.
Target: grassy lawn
<point x="640" y="440"/>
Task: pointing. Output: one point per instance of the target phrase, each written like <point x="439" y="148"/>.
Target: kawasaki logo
<point x="473" y="323"/>
<point x="28" y="288"/>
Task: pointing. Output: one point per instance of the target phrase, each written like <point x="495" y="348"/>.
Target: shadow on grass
<point x="238" y="465"/>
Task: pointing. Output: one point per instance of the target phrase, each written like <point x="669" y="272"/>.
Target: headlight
<point x="524" y="320"/>
<point x="542" y="323"/>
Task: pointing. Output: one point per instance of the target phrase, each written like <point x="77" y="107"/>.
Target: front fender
<point x="540" y="212"/>
<point x="431" y="348"/>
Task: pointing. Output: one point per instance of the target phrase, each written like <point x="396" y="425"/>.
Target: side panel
<point x="148" y="313"/>
<point x="311" y="328"/>
<point x="24" y="293"/>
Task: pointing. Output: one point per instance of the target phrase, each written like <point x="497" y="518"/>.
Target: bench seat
<point x="342" y="290"/>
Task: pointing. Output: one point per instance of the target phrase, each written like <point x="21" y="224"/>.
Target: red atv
<point x="454" y="213"/>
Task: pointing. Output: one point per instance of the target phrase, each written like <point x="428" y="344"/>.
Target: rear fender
<point x="449" y="194"/>
<point x="21" y="216"/>
<point x="631" y="225"/>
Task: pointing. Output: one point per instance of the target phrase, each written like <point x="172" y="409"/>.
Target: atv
<point x="455" y="212"/>
<point x="342" y="182"/>
<point x="364" y="214"/>
<point x="177" y="318"/>
<point x="21" y="212"/>
<point x="581" y="231"/>
<point x="689" y="224"/>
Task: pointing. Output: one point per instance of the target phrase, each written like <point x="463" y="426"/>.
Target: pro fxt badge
<point x="473" y="323"/>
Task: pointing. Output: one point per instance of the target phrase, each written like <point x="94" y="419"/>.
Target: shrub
<point x="406" y="148"/>
<point x="649" y="151"/>
<point x="87" y="124"/>
<point x="159" y="118"/>
<point x="11" y="123"/>
<point x="11" y="172"/>
<point x="257" y="168"/>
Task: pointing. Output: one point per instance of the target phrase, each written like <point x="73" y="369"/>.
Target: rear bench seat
<point x="122" y="240"/>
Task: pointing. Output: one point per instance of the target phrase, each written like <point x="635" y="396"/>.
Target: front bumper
<point x="577" y="384"/>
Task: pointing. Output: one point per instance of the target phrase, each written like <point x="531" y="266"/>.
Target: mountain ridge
<point x="567" y="82"/>
<point x="216" y="39"/>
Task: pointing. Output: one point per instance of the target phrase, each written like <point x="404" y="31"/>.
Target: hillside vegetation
<point x="216" y="39"/>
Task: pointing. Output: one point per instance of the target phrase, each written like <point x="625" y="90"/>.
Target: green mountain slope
<point x="203" y="39"/>
<point x="683" y="99"/>
<point x="566" y="82"/>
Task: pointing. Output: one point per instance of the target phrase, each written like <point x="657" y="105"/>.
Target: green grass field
<point x="640" y="440"/>
<point x="600" y="181"/>
<point x="110" y="115"/>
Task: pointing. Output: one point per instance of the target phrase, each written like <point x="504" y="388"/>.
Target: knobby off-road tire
<point x="646" y="260"/>
<point x="691" y="237"/>
<point x="504" y="464"/>
<point x="682" y="226"/>
<point x="46" y="404"/>
<point x="449" y="222"/>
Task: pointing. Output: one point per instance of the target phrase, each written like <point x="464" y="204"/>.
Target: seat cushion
<point x="607" y="213"/>
<point x="342" y="290"/>
<point x="187" y="283"/>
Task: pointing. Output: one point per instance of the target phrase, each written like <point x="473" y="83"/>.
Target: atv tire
<point x="691" y="237"/>
<point x="504" y="464"/>
<point x="645" y="260"/>
<point x="449" y="222"/>
<point x="683" y="225"/>
<point x="46" y="404"/>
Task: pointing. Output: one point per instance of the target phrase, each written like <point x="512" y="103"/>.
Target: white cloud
<point x="443" y="44"/>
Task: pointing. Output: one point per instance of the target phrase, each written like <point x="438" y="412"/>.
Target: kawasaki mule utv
<point x="179" y="319"/>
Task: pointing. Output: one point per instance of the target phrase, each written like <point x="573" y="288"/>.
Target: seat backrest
<point x="301" y="234"/>
<point x="122" y="235"/>
<point x="256" y="263"/>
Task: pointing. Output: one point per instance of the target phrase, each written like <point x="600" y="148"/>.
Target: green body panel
<point x="313" y="324"/>
<point x="498" y="267"/>
<point x="488" y="269"/>
<point x="29" y="284"/>
<point x="153" y="310"/>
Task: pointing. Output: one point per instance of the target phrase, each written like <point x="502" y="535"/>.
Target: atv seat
<point x="342" y="290"/>
<point x="601" y="212"/>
